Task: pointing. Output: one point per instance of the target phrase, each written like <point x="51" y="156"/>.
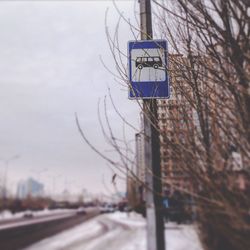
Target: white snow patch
<point x="8" y="215"/>
<point x="67" y="238"/>
<point x="118" y="231"/>
<point x="130" y="219"/>
<point x="181" y="237"/>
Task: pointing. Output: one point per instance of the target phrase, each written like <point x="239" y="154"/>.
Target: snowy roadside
<point x="118" y="231"/>
<point x="7" y="215"/>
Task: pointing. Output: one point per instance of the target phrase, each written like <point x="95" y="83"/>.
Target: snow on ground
<point x="181" y="237"/>
<point x="118" y="231"/>
<point x="7" y="215"/>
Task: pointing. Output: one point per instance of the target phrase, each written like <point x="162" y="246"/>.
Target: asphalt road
<point x="21" y="235"/>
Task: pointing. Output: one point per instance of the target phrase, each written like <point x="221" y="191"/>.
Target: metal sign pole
<point x="155" y="223"/>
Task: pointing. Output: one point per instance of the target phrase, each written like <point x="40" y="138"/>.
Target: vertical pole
<point x="154" y="204"/>
<point x="5" y="181"/>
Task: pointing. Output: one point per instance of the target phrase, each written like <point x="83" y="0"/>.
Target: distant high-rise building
<point x="29" y="188"/>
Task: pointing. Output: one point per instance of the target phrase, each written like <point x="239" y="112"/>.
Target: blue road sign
<point x="148" y="69"/>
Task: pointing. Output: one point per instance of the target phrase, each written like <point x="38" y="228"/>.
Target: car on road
<point x="28" y="214"/>
<point x="107" y="208"/>
<point x="81" y="211"/>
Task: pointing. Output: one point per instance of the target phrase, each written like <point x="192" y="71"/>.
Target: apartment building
<point x="176" y="121"/>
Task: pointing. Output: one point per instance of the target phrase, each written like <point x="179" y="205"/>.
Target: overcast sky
<point x="50" y="69"/>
